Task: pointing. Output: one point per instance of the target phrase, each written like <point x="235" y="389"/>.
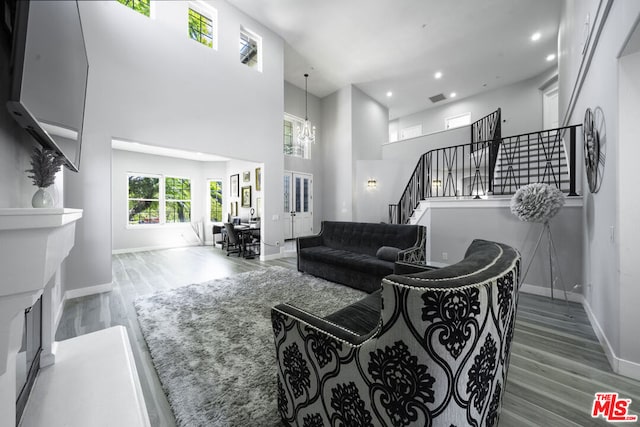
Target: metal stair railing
<point x="495" y="166"/>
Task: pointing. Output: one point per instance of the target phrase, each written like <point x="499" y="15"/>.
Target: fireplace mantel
<point x="33" y="244"/>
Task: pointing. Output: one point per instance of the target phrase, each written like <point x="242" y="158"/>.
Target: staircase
<point x="495" y="166"/>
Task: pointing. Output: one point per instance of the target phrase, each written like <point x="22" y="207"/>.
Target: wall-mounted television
<point x="49" y="75"/>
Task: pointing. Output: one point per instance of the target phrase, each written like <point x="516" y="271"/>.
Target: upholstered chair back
<point x="438" y="357"/>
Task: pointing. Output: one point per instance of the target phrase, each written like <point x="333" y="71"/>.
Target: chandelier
<point x="306" y="133"/>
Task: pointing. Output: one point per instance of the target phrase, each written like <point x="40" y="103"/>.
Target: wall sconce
<point x="372" y="183"/>
<point x="436" y="183"/>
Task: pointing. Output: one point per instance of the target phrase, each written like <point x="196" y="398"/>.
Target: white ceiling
<point x="398" y="45"/>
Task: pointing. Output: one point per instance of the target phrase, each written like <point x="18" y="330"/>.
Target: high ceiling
<point x="398" y="45"/>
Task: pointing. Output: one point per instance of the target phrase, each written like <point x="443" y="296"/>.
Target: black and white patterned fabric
<point x="437" y="357"/>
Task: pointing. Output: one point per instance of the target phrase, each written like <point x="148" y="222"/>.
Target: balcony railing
<point x="496" y="166"/>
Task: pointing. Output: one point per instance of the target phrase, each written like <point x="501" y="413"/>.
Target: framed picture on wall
<point x="258" y="179"/>
<point x="259" y="206"/>
<point x="232" y="210"/>
<point x="234" y="186"/>
<point x="246" y="176"/>
<point x="246" y="196"/>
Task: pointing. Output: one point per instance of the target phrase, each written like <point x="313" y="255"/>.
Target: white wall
<point x="453" y="224"/>
<point x="629" y="211"/>
<point x="370" y="129"/>
<point x="411" y="149"/>
<point x="391" y="177"/>
<point x="591" y="80"/>
<point x="521" y="105"/>
<point x="126" y="237"/>
<point x="148" y="82"/>
<point x="337" y="155"/>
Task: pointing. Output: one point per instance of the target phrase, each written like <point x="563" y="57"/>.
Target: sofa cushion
<point x="388" y="253"/>
<point x="356" y="261"/>
<point x="366" y="238"/>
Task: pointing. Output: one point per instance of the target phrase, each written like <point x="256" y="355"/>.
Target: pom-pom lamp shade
<point x="536" y="202"/>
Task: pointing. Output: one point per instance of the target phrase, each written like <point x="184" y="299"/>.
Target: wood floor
<point x="557" y="364"/>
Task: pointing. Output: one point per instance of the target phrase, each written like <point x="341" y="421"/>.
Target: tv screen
<point x="49" y="75"/>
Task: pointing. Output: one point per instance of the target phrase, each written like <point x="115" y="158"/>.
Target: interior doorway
<point x="298" y="204"/>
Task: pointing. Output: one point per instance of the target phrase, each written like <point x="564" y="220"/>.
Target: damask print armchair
<point x="428" y="349"/>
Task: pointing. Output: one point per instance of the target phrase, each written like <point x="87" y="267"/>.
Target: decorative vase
<point x="42" y="199"/>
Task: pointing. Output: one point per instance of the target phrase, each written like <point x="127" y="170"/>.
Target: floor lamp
<point x="539" y="203"/>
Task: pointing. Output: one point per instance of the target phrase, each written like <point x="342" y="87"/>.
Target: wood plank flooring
<point x="557" y="364"/>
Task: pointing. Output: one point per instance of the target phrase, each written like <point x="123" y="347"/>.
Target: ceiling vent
<point x="437" y="98"/>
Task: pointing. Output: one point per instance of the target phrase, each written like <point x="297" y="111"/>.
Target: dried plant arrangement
<point x="44" y="166"/>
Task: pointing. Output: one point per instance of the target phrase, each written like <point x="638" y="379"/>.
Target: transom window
<point x="201" y="27"/>
<point x="141" y="6"/>
<point x="291" y="147"/>
<point x="457" y="121"/>
<point x="250" y="49"/>
<point x="156" y="199"/>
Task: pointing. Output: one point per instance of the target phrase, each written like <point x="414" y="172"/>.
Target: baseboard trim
<point x="618" y="365"/>
<point x="270" y="257"/>
<point x="546" y="292"/>
<point x="152" y="248"/>
<point x="629" y="369"/>
<point x="89" y="290"/>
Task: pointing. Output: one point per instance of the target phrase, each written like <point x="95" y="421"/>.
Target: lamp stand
<point x="553" y="254"/>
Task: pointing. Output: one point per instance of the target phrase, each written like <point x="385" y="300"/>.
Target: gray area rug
<point x="212" y="343"/>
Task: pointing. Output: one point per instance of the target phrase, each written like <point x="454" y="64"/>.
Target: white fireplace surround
<point x="33" y="244"/>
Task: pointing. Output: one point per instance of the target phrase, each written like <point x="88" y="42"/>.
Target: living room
<point x="150" y="84"/>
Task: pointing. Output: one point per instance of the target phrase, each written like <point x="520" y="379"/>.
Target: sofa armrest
<point x="283" y="315"/>
<point x="309" y="241"/>
<point x="416" y="253"/>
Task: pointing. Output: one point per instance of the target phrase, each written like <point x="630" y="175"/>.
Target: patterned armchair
<point x="428" y="349"/>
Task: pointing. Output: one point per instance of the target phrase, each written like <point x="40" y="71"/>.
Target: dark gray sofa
<point x="350" y="252"/>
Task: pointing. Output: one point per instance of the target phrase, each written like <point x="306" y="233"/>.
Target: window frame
<point x="159" y="199"/>
<point x="151" y="14"/>
<point x="162" y="201"/>
<point x="208" y="12"/>
<point x="258" y="39"/>
<point x="209" y="181"/>
<point x="167" y="200"/>
<point x="297" y="122"/>
<point x="457" y="116"/>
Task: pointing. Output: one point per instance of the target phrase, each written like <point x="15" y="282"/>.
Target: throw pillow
<point x="388" y="253"/>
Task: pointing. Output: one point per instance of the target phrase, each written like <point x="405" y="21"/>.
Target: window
<point x="215" y="200"/>
<point x="144" y="199"/>
<point x="155" y="199"/>
<point x="457" y="121"/>
<point x="142" y="6"/>
<point x="177" y="199"/>
<point x="291" y="147"/>
<point x="250" y="49"/>
<point x="411" y="132"/>
<point x="201" y="27"/>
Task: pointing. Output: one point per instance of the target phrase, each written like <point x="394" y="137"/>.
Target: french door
<point x="298" y="204"/>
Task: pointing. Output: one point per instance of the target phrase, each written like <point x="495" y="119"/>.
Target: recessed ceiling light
<point x="389" y="94"/>
<point x="438" y="75"/>
<point x="535" y="37"/>
<point x="551" y="57"/>
<point x="452" y="95"/>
